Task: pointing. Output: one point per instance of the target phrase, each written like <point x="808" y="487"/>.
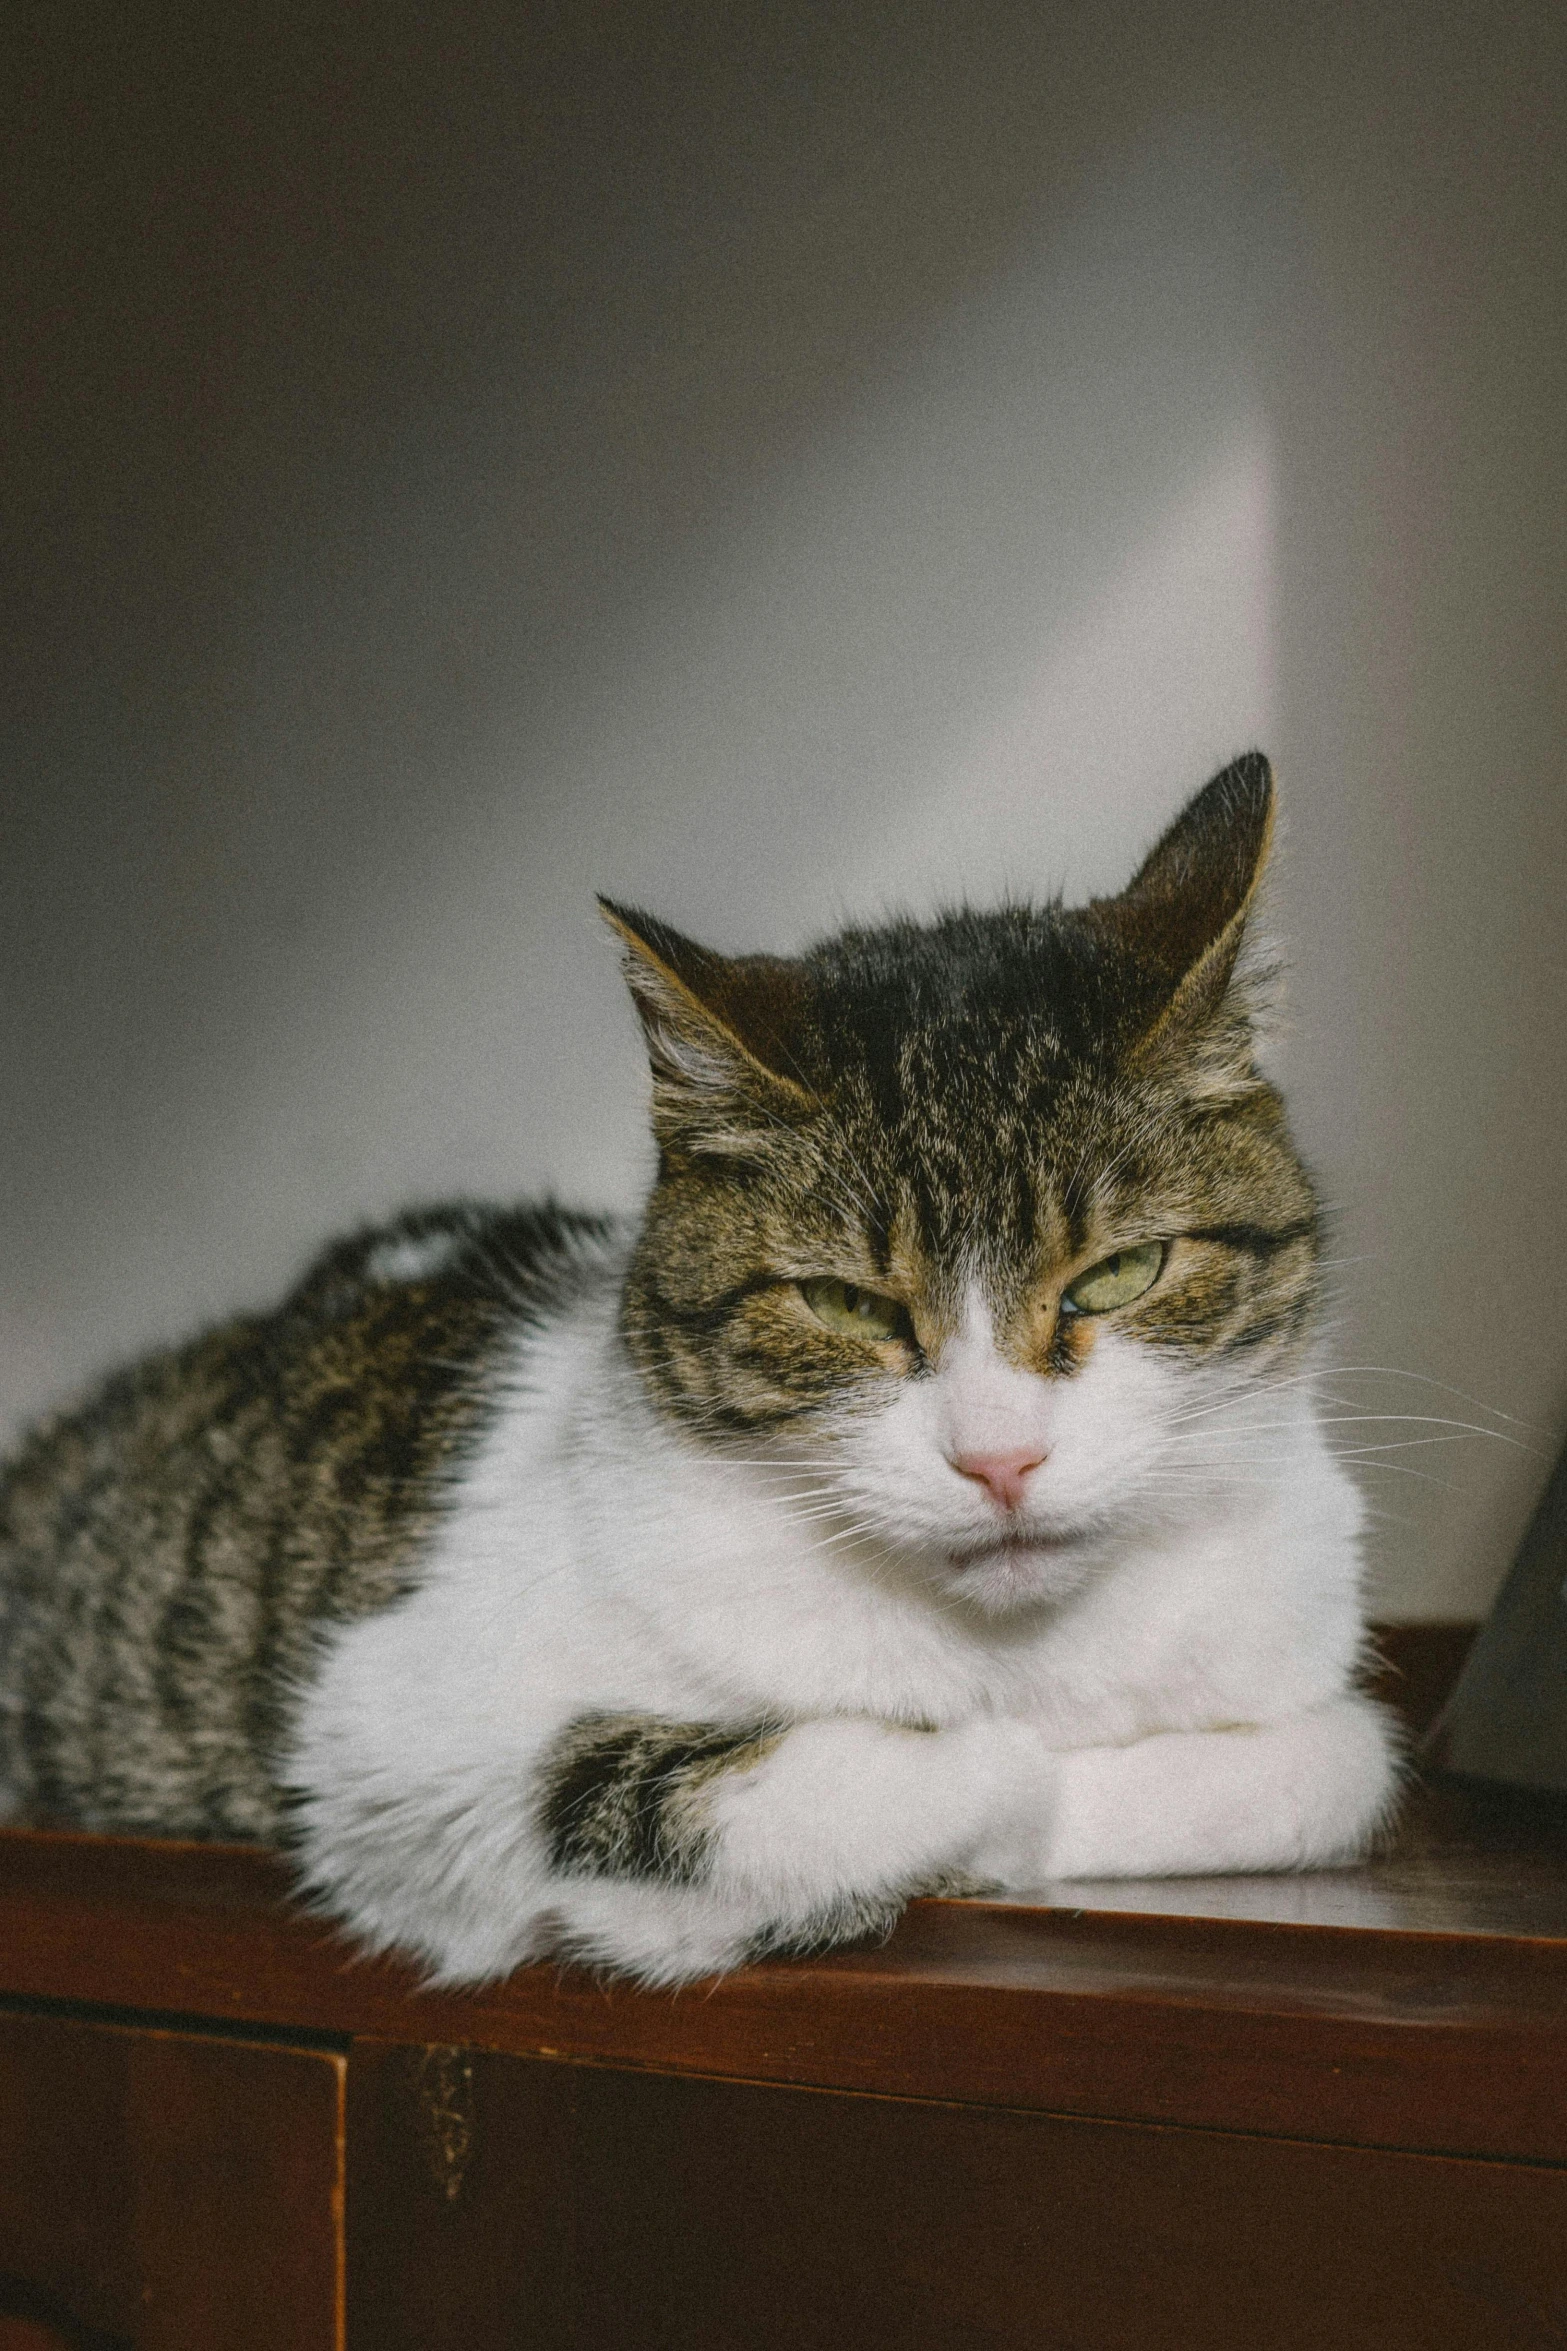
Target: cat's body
<point x="926" y="1491"/>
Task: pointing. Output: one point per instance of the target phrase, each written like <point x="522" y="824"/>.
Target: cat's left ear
<point x="721" y="1030"/>
<point x="1183" y="915"/>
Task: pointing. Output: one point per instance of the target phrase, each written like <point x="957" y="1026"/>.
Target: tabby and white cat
<point x="923" y="1492"/>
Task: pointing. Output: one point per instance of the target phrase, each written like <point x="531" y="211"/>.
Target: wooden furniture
<point x="1319" y="2111"/>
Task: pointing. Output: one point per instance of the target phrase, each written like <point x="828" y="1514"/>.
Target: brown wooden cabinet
<point x="622" y="2209"/>
<point x="1328" y="2110"/>
<point x="167" y="2188"/>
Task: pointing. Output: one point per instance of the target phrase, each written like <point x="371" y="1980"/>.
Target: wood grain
<point x="165" y="2191"/>
<point x="1212" y="2113"/>
<point x="1426" y="2009"/>
<point x="1375" y="2034"/>
<point x="629" y="2212"/>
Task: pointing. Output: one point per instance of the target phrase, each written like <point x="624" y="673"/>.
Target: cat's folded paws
<point x="1015" y="1776"/>
<point x="850" y="1804"/>
<point x="1303" y="1792"/>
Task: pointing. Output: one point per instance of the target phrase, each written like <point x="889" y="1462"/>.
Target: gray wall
<point x="768" y="464"/>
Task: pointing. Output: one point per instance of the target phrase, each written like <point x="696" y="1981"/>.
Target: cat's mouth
<point x="1016" y="1543"/>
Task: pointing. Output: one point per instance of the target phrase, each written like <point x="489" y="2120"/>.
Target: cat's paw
<point x="1305" y="1792"/>
<point x="1016" y="1776"/>
<point x="848" y="1819"/>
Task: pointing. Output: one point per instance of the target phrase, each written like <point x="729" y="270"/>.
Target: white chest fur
<point x="597" y="1560"/>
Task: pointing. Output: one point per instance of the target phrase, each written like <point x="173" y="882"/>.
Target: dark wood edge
<point x="1399" y="2039"/>
<point x="1392" y="2038"/>
<point x="1415" y="1667"/>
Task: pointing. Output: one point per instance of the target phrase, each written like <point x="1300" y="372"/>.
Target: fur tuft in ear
<point x="717" y="1027"/>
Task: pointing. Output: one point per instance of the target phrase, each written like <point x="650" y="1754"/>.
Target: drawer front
<point x="167" y="2191"/>
<point x="512" y="2204"/>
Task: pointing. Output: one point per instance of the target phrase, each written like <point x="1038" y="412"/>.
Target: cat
<point x="925" y="1492"/>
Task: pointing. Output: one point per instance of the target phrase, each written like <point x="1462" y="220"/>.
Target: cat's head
<point x="966" y="1217"/>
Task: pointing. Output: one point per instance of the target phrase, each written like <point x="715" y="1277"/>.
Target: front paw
<point x="1023" y="1812"/>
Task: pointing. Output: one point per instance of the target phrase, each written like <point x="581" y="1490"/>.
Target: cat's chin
<point x="1017" y="1570"/>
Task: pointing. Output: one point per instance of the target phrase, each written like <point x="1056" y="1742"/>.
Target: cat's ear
<point x="1183" y="915"/>
<point x="721" y="1030"/>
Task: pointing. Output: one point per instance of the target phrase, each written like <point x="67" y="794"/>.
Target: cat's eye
<point x="1116" y="1281"/>
<point x="844" y="1306"/>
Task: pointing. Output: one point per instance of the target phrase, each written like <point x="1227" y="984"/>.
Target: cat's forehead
<point x="1023" y="990"/>
<point x="1004" y="1187"/>
<point x="977" y="1074"/>
<point x="979" y="1044"/>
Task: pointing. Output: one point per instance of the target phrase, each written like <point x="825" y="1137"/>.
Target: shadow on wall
<point x="983" y="632"/>
<point x="885" y="680"/>
<point x="766" y="465"/>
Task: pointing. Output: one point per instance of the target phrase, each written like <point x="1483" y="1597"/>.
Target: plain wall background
<point x="769" y="464"/>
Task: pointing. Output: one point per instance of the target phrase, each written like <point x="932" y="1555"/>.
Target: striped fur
<point x="549" y="1582"/>
<point x="174" y="1548"/>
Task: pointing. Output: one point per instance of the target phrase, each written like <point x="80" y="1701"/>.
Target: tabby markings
<point x="623" y="1794"/>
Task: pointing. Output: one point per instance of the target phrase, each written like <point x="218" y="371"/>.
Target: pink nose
<point x="1003" y="1475"/>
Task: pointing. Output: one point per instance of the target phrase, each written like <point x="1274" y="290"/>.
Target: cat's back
<point x="169" y="1546"/>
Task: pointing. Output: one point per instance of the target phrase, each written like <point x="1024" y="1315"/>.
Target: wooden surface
<point x="1202" y="2113"/>
<point x="166" y="2189"/>
<point x="1440" y="1991"/>
<point x="627" y="2212"/>
<point x="1464" y="1861"/>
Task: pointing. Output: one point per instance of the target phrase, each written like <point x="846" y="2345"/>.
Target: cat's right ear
<point x="722" y="1031"/>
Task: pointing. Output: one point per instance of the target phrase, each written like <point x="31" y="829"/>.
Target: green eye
<point x="865" y="1314"/>
<point x="1116" y="1281"/>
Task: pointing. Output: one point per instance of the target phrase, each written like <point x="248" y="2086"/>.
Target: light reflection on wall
<point x="770" y="485"/>
<point x="986" y="636"/>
